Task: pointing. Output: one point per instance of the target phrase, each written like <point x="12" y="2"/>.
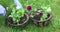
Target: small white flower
<point x="32" y="16"/>
<point x="35" y="10"/>
<point x="39" y="10"/>
<point x="49" y="9"/>
<point x="7" y="8"/>
<point x="17" y="7"/>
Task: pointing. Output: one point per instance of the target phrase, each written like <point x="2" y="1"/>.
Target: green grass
<point x="54" y="26"/>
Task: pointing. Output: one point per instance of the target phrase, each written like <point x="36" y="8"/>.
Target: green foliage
<point x="6" y="3"/>
<point x="44" y="16"/>
<point x="45" y="10"/>
<point x="17" y="15"/>
<point x="38" y="5"/>
<point x="3" y="2"/>
<point x="54" y="26"/>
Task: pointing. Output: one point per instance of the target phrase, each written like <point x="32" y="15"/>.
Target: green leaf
<point x="44" y="17"/>
<point x="16" y="15"/>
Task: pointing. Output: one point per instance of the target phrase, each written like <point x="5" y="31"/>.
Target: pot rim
<point x="22" y="23"/>
<point x="43" y="20"/>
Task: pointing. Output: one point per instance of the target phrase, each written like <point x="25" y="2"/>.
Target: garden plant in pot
<point x="17" y="17"/>
<point x="41" y="16"/>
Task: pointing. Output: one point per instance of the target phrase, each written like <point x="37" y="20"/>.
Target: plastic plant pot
<point x="22" y="22"/>
<point x="44" y="22"/>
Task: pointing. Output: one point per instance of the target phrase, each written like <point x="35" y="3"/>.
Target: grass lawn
<point x="54" y="26"/>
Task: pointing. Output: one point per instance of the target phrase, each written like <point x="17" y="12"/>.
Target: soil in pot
<point x="22" y="22"/>
<point x="37" y="21"/>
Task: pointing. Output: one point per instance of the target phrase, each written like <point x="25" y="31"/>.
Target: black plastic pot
<point x="44" y="22"/>
<point x="23" y="21"/>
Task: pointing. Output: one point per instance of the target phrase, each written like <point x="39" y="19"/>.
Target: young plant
<point x="17" y="14"/>
<point x="41" y="12"/>
<point x="46" y="10"/>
